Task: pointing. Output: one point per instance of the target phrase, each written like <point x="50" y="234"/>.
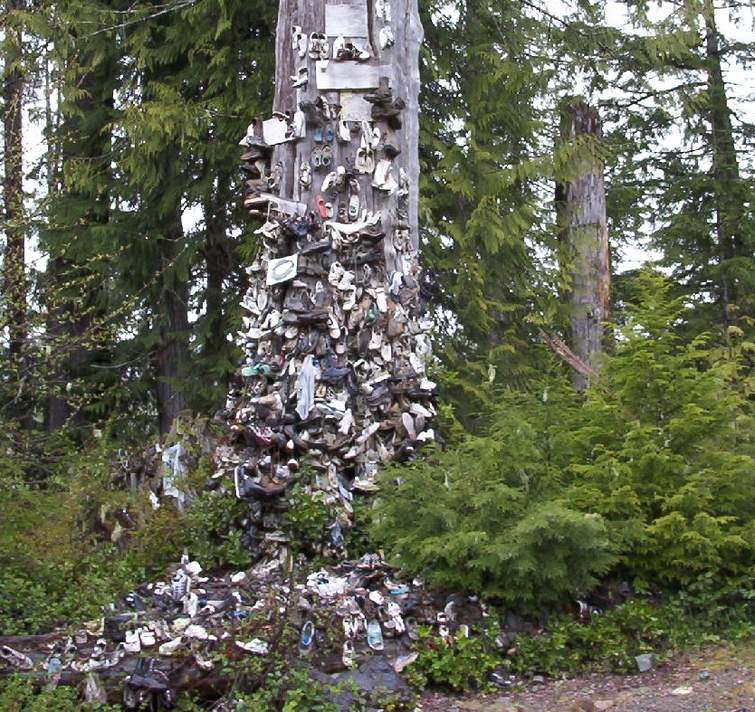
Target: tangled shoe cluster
<point x="172" y="634"/>
<point x="337" y="346"/>
<point x="381" y="614"/>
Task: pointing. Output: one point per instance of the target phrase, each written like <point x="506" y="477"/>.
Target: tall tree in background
<point x="14" y="282"/>
<point x="686" y="139"/>
<point x="196" y="76"/>
<point x="486" y="74"/>
<point x="581" y="205"/>
<point x="77" y="233"/>
<point x="727" y="185"/>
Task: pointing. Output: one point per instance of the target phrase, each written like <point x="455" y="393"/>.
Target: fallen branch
<point x="566" y="354"/>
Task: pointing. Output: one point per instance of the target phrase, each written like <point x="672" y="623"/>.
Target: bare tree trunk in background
<point x="172" y="356"/>
<point x="219" y="261"/>
<point x="581" y="203"/>
<point x="14" y="283"/>
<point x="729" y="199"/>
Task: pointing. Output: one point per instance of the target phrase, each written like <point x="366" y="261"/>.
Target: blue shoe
<point x="374" y="635"/>
<point x="307" y="638"/>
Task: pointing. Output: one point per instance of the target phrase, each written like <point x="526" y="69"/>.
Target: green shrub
<point x="649" y="474"/>
<point x="458" y="665"/>
<point x="488" y="516"/>
<point x="306" y="519"/>
<point x="666" y="445"/>
<point x="18" y="694"/>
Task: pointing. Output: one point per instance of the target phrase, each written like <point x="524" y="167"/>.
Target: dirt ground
<point x="720" y="679"/>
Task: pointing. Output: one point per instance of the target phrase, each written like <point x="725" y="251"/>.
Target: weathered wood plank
<point x="349" y="20"/>
<point x="333" y="75"/>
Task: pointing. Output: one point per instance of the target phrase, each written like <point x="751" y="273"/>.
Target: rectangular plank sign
<point x="346" y="75"/>
<point x="349" y="20"/>
<point x="355" y="108"/>
<point x="287" y="207"/>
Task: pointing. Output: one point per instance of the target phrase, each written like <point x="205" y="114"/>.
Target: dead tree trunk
<point x="581" y="204"/>
<point x="345" y="84"/>
<point x="335" y="372"/>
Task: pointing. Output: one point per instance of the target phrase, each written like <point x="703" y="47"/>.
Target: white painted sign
<point x="274" y="131"/>
<point x="349" y="20"/>
<point x="347" y="75"/>
<point x="355" y="108"/>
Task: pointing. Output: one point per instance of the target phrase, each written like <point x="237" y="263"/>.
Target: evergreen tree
<point x="686" y="149"/>
<point x="485" y="147"/>
<point x="13" y="317"/>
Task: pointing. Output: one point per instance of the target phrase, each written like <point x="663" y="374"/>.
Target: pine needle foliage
<point x="650" y="475"/>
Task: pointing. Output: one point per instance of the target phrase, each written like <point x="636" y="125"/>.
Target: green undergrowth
<point x="73" y="537"/>
<point x="708" y="611"/>
<point x="18" y="694"/>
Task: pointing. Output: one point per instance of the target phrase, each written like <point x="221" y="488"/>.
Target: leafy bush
<point x="458" y="665"/>
<point x="488" y="515"/>
<point x="649" y="474"/>
<point x="306" y="519"/>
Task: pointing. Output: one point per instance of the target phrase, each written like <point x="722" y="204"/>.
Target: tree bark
<point x="728" y="197"/>
<point x="334" y="297"/>
<point x="400" y="63"/>
<point x="219" y="262"/>
<point x="173" y="350"/>
<point x="14" y="283"/>
<point x="581" y="207"/>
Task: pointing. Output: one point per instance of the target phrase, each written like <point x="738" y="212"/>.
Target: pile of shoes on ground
<point x="155" y="635"/>
<point x="336" y="339"/>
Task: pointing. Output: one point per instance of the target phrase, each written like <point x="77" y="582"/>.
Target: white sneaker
<point x="342" y="132"/>
<point x="329" y="181"/>
<point x="171" y="646"/>
<point x="132" y="643"/>
<point x="385" y="37"/>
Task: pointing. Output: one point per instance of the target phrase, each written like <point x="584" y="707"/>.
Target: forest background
<point x="125" y="252"/>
